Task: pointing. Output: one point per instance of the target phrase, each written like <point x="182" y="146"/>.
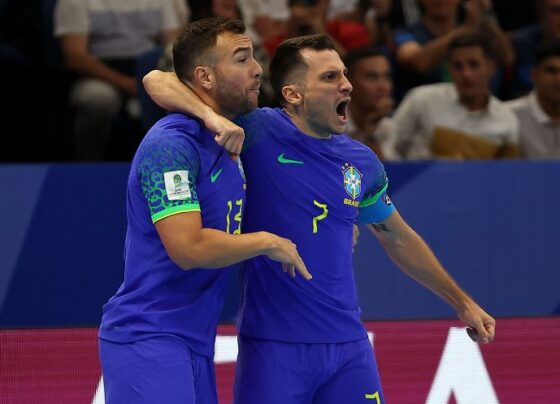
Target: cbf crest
<point x="352" y="180"/>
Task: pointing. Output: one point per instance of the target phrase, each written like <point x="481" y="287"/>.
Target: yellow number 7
<point x="321" y="216"/>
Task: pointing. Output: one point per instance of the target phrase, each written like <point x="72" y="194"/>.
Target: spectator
<point x="183" y="10"/>
<point x="539" y="112"/>
<point x="268" y="18"/>
<point x="265" y="18"/>
<point x="526" y="42"/>
<point x="101" y="41"/>
<point x="459" y="120"/>
<point x="369" y="72"/>
<point x="376" y="16"/>
<point x="421" y="48"/>
<point x="310" y="17"/>
<point x="151" y="112"/>
<point x="409" y="9"/>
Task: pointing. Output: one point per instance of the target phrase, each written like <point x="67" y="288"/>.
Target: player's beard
<point x="231" y="97"/>
<point x="320" y="117"/>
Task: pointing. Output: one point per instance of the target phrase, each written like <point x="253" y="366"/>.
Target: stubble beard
<point x="231" y="97"/>
<point x="321" y="124"/>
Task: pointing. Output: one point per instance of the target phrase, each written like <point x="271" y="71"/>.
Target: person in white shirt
<point x="102" y="41"/>
<point x="269" y="18"/>
<point x="539" y="112"/>
<point x="459" y="120"/>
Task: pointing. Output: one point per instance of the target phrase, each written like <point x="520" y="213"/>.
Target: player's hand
<point x="355" y="235"/>
<point x="481" y="326"/>
<point x="284" y="251"/>
<point x="227" y="134"/>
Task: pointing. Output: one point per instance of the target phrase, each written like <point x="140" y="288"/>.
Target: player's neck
<point x="304" y="126"/>
<point x="214" y="104"/>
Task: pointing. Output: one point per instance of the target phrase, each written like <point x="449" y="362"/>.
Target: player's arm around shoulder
<point x="189" y="245"/>
<point x="170" y="93"/>
<point x="411" y="253"/>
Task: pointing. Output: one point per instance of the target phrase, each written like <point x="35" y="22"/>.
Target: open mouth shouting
<point x="341" y="110"/>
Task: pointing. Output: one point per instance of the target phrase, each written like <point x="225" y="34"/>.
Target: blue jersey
<point x="177" y="168"/>
<point x="310" y="191"/>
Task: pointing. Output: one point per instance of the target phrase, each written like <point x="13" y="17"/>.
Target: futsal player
<point x="186" y="197"/>
<point x="303" y="342"/>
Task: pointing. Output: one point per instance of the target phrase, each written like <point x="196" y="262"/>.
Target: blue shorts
<point x="156" y="370"/>
<point x="274" y="372"/>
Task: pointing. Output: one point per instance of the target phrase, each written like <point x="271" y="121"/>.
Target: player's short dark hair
<point x="547" y="50"/>
<point x="365" y="52"/>
<point x="195" y="40"/>
<point x="287" y="59"/>
<point x="471" y="39"/>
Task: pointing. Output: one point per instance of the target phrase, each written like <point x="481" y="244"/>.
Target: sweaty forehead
<point x="322" y="60"/>
<point x="228" y="42"/>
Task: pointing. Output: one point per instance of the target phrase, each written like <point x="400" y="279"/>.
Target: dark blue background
<point x="494" y="226"/>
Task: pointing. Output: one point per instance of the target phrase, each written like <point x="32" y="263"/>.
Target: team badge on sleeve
<point x="352" y="180"/>
<point x="177" y="185"/>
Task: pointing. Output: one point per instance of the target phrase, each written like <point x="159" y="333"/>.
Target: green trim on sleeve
<point x="191" y="207"/>
<point x="374" y="198"/>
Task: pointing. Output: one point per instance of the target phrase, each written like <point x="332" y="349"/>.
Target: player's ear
<point x="204" y="75"/>
<point x="292" y="95"/>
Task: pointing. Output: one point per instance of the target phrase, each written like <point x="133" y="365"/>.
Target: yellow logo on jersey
<point x="351" y="202"/>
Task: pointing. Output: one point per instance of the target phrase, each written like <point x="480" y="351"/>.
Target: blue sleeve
<point x="167" y="168"/>
<point x="402" y="36"/>
<point x="376" y="206"/>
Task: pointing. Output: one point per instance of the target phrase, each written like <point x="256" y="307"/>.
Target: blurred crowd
<point x="445" y="79"/>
